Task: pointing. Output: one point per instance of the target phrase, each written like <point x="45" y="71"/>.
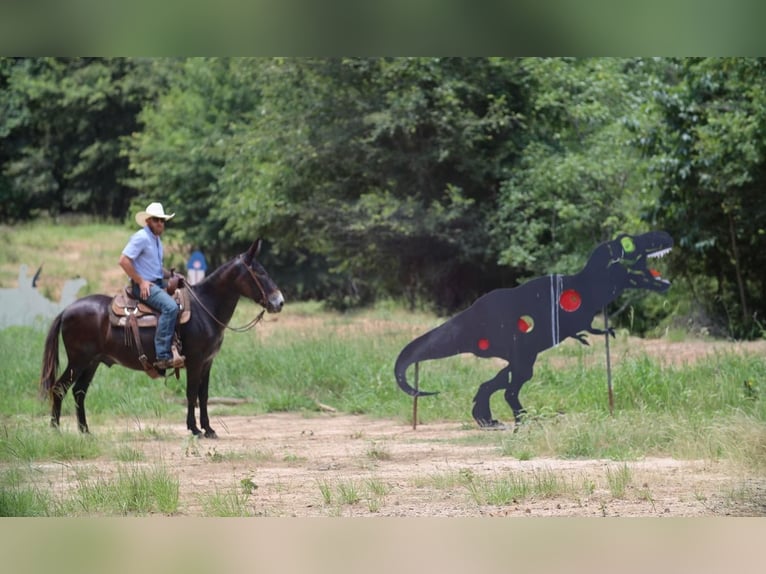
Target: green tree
<point x="189" y="137"/>
<point x="386" y="168"/>
<point x="709" y="164"/>
<point x="60" y="133"/>
<point x="579" y="180"/>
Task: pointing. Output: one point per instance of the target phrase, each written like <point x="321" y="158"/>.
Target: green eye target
<point x="628" y="245"/>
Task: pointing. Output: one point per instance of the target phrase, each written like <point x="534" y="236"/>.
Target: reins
<point x="243" y="328"/>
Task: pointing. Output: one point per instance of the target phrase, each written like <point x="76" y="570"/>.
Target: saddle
<point x="128" y="312"/>
<point x="125" y="305"/>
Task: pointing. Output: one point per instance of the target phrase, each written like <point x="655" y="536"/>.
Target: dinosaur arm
<point x="583" y="337"/>
<point x="594" y="331"/>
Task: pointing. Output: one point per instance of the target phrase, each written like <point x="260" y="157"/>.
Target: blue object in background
<point x="196" y="267"/>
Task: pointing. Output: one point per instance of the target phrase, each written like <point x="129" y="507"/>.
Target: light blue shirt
<point x="145" y="251"/>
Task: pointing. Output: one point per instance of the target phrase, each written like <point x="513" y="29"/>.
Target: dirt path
<point x="342" y="465"/>
<point x="327" y="464"/>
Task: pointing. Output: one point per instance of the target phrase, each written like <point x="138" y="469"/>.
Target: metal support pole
<point x="608" y="363"/>
<point x="415" y="399"/>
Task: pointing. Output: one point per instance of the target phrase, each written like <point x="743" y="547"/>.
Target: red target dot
<point x="483" y="344"/>
<point x="525" y="324"/>
<point x="570" y="300"/>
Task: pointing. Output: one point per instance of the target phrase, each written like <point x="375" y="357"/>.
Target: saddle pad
<point x="122" y="306"/>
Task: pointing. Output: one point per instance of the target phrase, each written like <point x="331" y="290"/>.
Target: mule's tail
<point x="50" y="358"/>
<point x="443" y="341"/>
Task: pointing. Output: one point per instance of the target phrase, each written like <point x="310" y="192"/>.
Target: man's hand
<point x="145" y="288"/>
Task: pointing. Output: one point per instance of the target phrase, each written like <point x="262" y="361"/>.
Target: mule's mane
<point x="216" y="277"/>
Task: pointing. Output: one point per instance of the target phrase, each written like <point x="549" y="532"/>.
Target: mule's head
<point x="260" y="287"/>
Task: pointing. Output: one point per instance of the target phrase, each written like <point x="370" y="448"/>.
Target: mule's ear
<point x="255" y="249"/>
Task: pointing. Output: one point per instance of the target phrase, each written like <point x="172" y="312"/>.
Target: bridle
<point x="257" y="281"/>
<point x="254" y="321"/>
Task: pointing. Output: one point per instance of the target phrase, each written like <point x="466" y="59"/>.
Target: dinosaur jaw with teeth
<point x="659" y="254"/>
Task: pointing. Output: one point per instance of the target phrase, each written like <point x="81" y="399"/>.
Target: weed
<point x="376" y="493"/>
<point x="134" y="491"/>
<point x="547" y="484"/>
<point x="618" y="480"/>
<point x="214" y="456"/>
<point x="588" y="487"/>
<point x="377" y="452"/>
<point x="248" y="486"/>
<point x="227" y="503"/>
<point x="326" y="490"/>
<point x="646" y="495"/>
<point x="27" y="443"/>
<point x="192" y="446"/>
<point x="19" y="497"/>
<point x="504" y="491"/>
<point x="128" y="454"/>
<point x="348" y="492"/>
<point x="376" y="487"/>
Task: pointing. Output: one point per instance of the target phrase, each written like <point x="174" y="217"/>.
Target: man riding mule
<point x="142" y="260"/>
<point x="92" y="335"/>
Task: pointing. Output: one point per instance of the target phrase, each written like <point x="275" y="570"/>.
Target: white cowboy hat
<point x="152" y="210"/>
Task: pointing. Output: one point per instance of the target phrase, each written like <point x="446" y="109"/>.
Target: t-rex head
<point x="633" y="252"/>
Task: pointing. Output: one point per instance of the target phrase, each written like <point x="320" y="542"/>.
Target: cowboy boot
<point x="178" y="360"/>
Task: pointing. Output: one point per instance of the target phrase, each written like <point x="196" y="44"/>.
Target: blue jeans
<point x="159" y="300"/>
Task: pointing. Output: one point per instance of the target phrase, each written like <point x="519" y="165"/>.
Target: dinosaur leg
<point x="519" y="376"/>
<point x="481" y="411"/>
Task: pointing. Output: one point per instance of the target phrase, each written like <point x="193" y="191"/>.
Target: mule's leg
<point x="191" y="418"/>
<point x="204" y="420"/>
<point x="192" y="388"/>
<point x="481" y="411"/>
<point x="79" y="391"/>
<point x="58" y="392"/>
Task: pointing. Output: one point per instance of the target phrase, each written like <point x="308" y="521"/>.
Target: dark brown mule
<point x="90" y="339"/>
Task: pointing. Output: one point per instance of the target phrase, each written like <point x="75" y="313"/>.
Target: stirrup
<point x="179" y="361"/>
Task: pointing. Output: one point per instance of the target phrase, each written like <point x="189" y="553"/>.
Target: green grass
<point x="24" y="441"/>
<point x="19" y="496"/>
<point x="618" y="480"/>
<point x="135" y="491"/>
<point x="340" y="493"/>
<point x="229" y="503"/>
<point x="513" y="487"/>
<point x="698" y="411"/>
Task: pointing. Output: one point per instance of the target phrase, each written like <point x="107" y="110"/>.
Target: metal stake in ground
<point x="608" y="363"/>
<point x="415" y="399"/>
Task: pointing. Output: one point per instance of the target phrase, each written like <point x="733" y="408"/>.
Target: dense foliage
<point x="427" y="179"/>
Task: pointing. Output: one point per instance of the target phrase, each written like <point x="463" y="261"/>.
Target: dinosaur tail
<point x="435" y="344"/>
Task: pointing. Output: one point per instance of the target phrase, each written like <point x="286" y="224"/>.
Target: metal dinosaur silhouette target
<point x="516" y="324"/>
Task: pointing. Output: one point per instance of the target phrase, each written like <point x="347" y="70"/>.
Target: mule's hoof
<point x="210" y="434"/>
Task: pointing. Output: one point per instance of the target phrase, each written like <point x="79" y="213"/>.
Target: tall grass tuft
<point x="135" y="491"/>
<point x="21" y="497"/>
<point x="27" y="442"/>
<point x="228" y="503"/>
<point x="515" y="487"/>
